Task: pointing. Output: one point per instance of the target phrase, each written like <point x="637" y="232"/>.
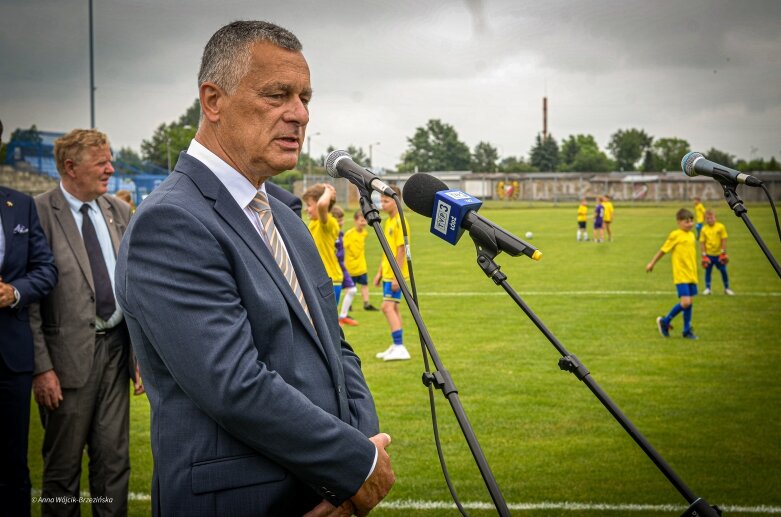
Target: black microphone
<point x="339" y="164"/>
<point x="453" y="210"/>
<point x="695" y="164"/>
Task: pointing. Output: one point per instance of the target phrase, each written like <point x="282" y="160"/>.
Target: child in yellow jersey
<point x="713" y="241"/>
<point x="582" y="218"/>
<point x="355" y="257"/>
<point x="391" y="293"/>
<point x="699" y="214"/>
<point x="324" y="229"/>
<point x="608" y="204"/>
<point x="681" y="244"/>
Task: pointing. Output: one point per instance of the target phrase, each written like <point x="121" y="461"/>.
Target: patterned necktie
<point x="105" y="305"/>
<point x="260" y="205"/>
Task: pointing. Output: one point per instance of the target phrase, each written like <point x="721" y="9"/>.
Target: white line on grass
<point x="411" y="504"/>
<point x="576" y="293"/>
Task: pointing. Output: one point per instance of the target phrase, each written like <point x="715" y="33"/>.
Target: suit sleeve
<point x="180" y="286"/>
<point x="41" y="276"/>
<point x="362" y="410"/>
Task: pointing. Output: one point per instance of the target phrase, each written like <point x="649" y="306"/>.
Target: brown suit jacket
<point x="63" y="322"/>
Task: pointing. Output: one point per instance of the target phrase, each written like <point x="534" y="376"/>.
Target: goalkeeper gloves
<point x="723" y="258"/>
<point x="705" y="260"/>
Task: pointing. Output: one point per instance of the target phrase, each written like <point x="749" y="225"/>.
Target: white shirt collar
<point x="75" y="203"/>
<point x="238" y="186"/>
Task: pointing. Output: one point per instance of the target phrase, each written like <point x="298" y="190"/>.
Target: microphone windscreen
<point x="419" y="192"/>
<point x="687" y="163"/>
<point x="330" y="162"/>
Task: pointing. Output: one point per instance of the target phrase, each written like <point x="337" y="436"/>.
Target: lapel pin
<point x="9" y="203"/>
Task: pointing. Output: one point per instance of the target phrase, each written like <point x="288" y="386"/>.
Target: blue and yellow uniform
<point x="394" y="235"/>
<point x="325" y="235"/>
<point x="712" y="238"/>
<point x="680" y="245"/>
<point x="355" y="252"/>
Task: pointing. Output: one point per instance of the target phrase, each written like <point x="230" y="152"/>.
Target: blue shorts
<point x="597" y="224"/>
<point x="686" y="289"/>
<point x="361" y="279"/>
<point x="389" y="294"/>
<point x="337" y="292"/>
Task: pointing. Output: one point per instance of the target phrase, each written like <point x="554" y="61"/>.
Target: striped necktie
<point x="260" y="205"/>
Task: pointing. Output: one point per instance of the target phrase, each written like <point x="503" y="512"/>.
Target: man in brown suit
<point x="82" y="348"/>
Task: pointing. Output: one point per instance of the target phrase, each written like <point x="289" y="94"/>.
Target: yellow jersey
<point x="395" y="237"/>
<point x="608" y="211"/>
<point x="699" y="213"/>
<point x="355" y="252"/>
<point x="683" y="254"/>
<point x="582" y="213"/>
<point x="325" y="235"/>
<point x="712" y="236"/>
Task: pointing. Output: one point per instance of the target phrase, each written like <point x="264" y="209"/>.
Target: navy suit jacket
<point x="255" y="411"/>
<point x="28" y="265"/>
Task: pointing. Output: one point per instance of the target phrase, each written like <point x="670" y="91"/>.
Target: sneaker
<point x="729" y="292"/>
<point x="369" y="307"/>
<point x="664" y="328"/>
<point x="347" y="320"/>
<point x="690" y="335"/>
<point x="397" y="353"/>
<point x="706" y="292"/>
<point x="381" y="355"/>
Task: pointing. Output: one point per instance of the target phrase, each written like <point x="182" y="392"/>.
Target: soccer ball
<point x="529" y="235"/>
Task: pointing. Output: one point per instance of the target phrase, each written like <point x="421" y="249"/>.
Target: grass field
<point x="711" y="407"/>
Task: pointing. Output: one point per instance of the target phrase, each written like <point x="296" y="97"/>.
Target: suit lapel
<point x="111" y="221"/>
<point x="62" y="213"/>
<point x="8" y="219"/>
<point x="227" y="208"/>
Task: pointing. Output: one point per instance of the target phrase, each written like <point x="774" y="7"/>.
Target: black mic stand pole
<point x="441" y="377"/>
<point x="736" y="204"/>
<point x="486" y="251"/>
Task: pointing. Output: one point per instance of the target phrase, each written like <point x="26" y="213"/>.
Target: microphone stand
<point x="736" y="204"/>
<point x="486" y="251"/>
<point x="439" y="379"/>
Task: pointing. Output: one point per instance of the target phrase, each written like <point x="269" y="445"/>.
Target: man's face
<point x="261" y="125"/>
<point x="710" y="218"/>
<point x="87" y="178"/>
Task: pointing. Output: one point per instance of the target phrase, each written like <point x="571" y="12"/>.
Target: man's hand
<point x="379" y="483"/>
<point x="46" y="389"/>
<point x="326" y="509"/>
<point x="7" y="296"/>
<point x="138" y="385"/>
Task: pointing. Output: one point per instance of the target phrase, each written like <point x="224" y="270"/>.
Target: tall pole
<point x="371" y="162"/>
<point x="544" y="118"/>
<point x="91" y="70"/>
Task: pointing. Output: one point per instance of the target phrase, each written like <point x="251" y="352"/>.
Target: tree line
<point x="436" y="146"/>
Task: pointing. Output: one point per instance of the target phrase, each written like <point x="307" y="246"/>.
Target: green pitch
<point x="711" y="407"/>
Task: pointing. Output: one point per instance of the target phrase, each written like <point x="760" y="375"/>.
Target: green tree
<point x="667" y="153"/>
<point x="580" y="153"/>
<point x="544" y="155"/>
<point x="32" y="135"/>
<point x="772" y="164"/>
<point x="192" y="117"/>
<point x="516" y="164"/>
<point x="435" y="147"/>
<point x="166" y="143"/>
<point x="628" y="146"/>
<point x="127" y="156"/>
<point x="721" y="157"/>
<point x="484" y="158"/>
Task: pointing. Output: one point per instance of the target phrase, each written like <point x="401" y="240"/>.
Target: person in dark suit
<point x="27" y="273"/>
<point x="291" y="200"/>
<point x="259" y="406"/>
<point x="82" y="347"/>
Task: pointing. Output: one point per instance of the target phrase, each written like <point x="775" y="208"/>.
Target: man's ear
<point x="68" y="168"/>
<point x="211" y="97"/>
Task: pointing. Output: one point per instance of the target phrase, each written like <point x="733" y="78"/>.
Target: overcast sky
<point x="705" y="71"/>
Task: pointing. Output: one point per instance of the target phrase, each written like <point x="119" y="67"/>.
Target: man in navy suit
<point x="27" y="274"/>
<point x="259" y="406"/>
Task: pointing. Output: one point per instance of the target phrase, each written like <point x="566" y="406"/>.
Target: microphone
<point x="452" y="211"/>
<point x="695" y="164"/>
<point x="339" y="164"/>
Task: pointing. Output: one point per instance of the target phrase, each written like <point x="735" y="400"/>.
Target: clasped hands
<point x="373" y="490"/>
